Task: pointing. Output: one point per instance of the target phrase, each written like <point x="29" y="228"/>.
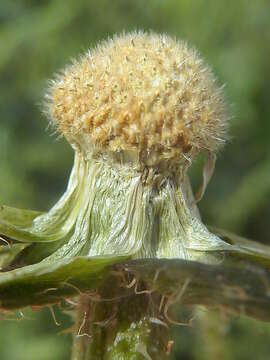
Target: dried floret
<point x="145" y="93"/>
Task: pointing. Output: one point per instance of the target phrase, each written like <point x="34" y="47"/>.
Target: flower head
<point x="150" y="99"/>
<point x="139" y="92"/>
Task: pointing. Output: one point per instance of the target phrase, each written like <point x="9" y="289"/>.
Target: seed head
<point x="140" y="92"/>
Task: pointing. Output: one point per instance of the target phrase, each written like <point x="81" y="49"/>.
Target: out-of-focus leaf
<point x="21" y="32"/>
<point x="251" y="194"/>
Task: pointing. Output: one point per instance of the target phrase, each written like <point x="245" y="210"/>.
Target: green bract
<point x="110" y="214"/>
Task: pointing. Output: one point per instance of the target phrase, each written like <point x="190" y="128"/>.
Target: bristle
<point x="143" y="92"/>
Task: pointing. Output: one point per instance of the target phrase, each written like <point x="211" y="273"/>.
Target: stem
<point x="126" y="328"/>
<point x="212" y="330"/>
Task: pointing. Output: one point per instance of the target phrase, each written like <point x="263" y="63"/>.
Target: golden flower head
<point x="140" y="92"/>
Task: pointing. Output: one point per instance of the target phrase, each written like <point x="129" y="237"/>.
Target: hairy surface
<point x="142" y="92"/>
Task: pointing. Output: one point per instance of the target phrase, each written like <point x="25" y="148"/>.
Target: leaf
<point x="15" y="223"/>
<point x="9" y="252"/>
<point x="46" y="283"/>
<point x="208" y="171"/>
<point x="251" y="250"/>
<point x="242" y="290"/>
<point x="34" y="227"/>
<point x="19" y="217"/>
<point x="249" y="196"/>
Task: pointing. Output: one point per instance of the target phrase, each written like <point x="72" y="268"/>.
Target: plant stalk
<point x="123" y="328"/>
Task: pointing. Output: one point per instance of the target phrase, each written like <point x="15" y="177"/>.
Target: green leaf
<point x="247" y="249"/>
<point x="46" y="283"/>
<point x="9" y="252"/>
<point x="15" y="223"/>
<point x="18" y="217"/>
<point x="241" y="290"/>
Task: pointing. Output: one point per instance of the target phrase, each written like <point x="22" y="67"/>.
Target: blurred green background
<point x="37" y="38"/>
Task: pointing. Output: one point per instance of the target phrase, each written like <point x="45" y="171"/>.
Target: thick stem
<point x="126" y="328"/>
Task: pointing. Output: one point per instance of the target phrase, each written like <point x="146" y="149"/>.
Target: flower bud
<point x="148" y="95"/>
<point x="136" y="109"/>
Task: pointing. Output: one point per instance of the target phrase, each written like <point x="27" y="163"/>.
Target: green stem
<point x="126" y="328"/>
<point x="212" y="330"/>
